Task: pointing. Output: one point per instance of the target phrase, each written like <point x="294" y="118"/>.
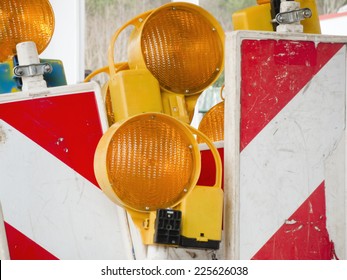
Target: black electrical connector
<point x="168" y="227"/>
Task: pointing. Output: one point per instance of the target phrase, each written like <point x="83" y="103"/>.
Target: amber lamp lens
<point x="24" y="20"/>
<point x="212" y="124"/>
<point x="182" y="48"/>
<point x="151" y="162"/>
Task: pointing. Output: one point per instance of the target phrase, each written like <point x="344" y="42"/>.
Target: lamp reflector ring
<point x="153" y="161"/>
<point x="182" y="46"/>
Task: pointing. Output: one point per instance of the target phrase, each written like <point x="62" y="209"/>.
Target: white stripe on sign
<point x="54" y="205"/>
<point x="285" y="162"/>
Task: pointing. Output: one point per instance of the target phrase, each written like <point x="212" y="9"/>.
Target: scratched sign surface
<point x="292" y="100"/>
<point x="52" y="205"/>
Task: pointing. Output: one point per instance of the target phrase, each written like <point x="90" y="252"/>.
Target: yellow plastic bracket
<point x="134" y="92"/>
<point x="145" y="224"/>
<point x="202" y="209"/>
<point x="253" y="18"/>
<point x="175" y="105"/>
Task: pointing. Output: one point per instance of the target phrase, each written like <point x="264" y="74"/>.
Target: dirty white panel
<point x="54" y="205"/>
<point x="290" y="157"/>
<point x="45" y="199"/>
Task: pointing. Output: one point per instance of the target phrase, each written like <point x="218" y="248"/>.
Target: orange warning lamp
<point x="174" y="53"/>
<point x="149" y="161"/>
<point x="212" y="124"/>
<point x="181" y="45"/>
<point x="149" y="164"/>
<point x="24" y="20"/>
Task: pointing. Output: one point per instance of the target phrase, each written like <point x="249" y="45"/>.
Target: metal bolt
<point x="48" y="68"/>
<point x="18" y="71"/>
<point x="307" y="13"/>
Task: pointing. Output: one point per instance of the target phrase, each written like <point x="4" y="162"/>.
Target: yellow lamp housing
<point x="147" y="162"/>
<point x="260" y="2"/>
<point x="182" y="46"/>
<point x="260" y="17"/>
<point x="137" y="91"/>
<point x="105" y="90"/>
<point x="202" y="210"/>
<point x="150" y="164"/>
<point x="253" y="18"/>
<point x="24" y="20"/>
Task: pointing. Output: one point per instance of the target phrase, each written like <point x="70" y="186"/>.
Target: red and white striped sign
<point x="285" y="146"/>
<point x="53" y="208"/>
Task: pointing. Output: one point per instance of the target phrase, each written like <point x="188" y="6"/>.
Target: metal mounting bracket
<point x="32" y="70"/>
<point x="293" y="16"/>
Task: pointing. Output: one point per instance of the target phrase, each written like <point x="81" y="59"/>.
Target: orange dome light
<point x="24" y="20"/>
<point x="181" y="45"/>
<point x="147" y="162"/>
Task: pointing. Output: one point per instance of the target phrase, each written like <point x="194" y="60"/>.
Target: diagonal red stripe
<point x="304" y="236"/>
<point x="23" y="248"/>
<point x="272" y="73"/>
<point x="50" y="122"/>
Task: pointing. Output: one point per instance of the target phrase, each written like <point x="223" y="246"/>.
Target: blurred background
<point x="103" y="17"/>
<point x="84" y="29"/>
